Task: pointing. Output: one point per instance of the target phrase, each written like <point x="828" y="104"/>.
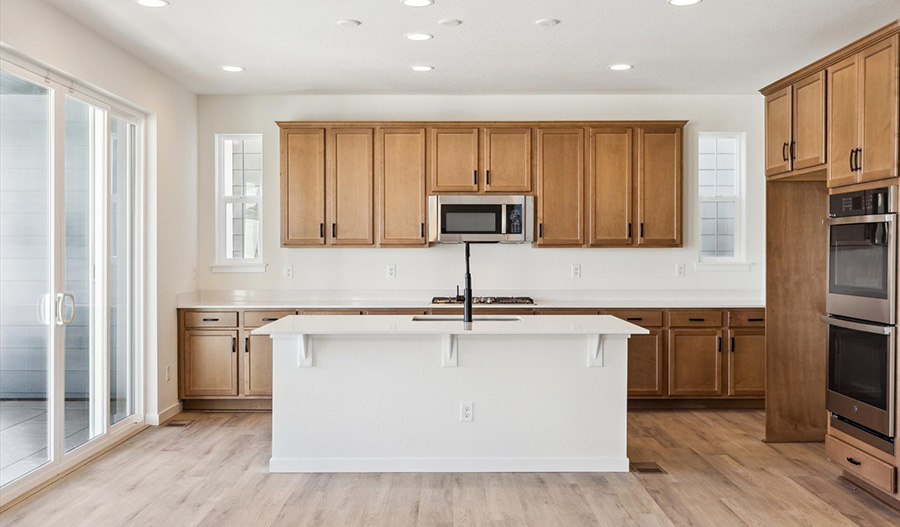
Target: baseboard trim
<point x="228" y="405"/>
<point x="165" y="415"/>
<point x="696" y="404"/>
<point x="519" y="464"/>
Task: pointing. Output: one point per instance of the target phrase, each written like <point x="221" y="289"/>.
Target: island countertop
<point x="439" y="325"/>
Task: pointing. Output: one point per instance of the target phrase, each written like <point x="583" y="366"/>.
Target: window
<point x="239" y="207"/>
<point x="720" y="166"/>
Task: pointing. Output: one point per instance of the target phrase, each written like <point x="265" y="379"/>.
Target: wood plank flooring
<point x="214" y="473"/>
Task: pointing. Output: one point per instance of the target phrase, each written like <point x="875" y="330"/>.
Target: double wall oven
<point x="861" y="305"/>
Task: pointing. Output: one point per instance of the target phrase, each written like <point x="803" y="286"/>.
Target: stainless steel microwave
<point x="479" y="218"/>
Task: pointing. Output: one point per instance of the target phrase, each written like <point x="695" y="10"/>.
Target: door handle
<point x="719" y="343"/>
<point x="784" y="152"/>
<point x="791" y="150"/>
<point x="246" y="344"/>
<point x="856" y="159"/>
<point x="540" y="230"/>
<point x="321" y="230"/>
<point x="233" y="344"/>
<point x="852" y="153"/>
<point x="629" y="230"/>
<point x="487" y="178"/>
<point x="61" y="318"/>
<point x="642" y="230"/>
<point x="334" y="230"/>
<point x="732" y="344"/>
<point x="476" y="176"/>
<point x="421" y="230"/>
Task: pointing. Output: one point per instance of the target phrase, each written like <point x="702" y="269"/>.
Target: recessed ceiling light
<point x="232" y="69"/>
<point x="449" y="22"/>
<point x="546" y="22"/>
<point x="620" y="67"/>
<point x="153" y="3"/>
<point x="348" y="23"/>
<point x="681" y="3"/>
<point x="419" y="36"/>
<point x="421" y="68"/>
<point x="417" y="3"/>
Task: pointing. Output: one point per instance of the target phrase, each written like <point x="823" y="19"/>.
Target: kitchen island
<point x="402" y="393"/>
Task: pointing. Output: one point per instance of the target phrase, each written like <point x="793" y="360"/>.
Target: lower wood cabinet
<point x="210" y="362"/>
<point x="747" y="362"/>
<point x="695" y="362"/>
<point x="256" y="366"/>
<point x="646" y="364"/>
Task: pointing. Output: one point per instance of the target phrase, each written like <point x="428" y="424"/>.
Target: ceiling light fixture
<point x="153" y="3"/>
<point x="682" y="3"/>
<point x="417" y="3"/>
<point x="232" y="69"/>
<point x="621" y="67"/>
<point x="449" y="22"/>
<point x="349" y="22"/>
<point x="546" y="22"/>
<point x="419" y="36"/>
<point x="421" y="68"/>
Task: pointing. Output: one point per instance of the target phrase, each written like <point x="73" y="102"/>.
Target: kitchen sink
<point x="495" y="318"/>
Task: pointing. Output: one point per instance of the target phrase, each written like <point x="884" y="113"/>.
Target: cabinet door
<point x="843" y="121"/>
<point x="257" y="365"/>
<point x="507" y="160"/>
<point x="646" y="366"/>
<point x="695" y="362"/>
<point x="210" y="363"/>
<point x="747" y="362"/>
<point x="609" y="194"/>
<point x="350" y="164"/>
<point x="878" y="97"/>
<point x="454" y="159"/>
<point x="303" y="187"/>
<point x="659" y="186"/>
<point x="808" y="148"/>
<point x="560" y="186"/>
<point x="401" y="182"/>
<point x="778" y="132"/>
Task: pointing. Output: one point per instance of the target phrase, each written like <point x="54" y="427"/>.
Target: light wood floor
<point x="214" y="473"/>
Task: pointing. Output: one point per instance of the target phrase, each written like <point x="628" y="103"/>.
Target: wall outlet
<point x="576" y="270"/>
<point x="168" y="373"/>
<point x="679" y="270"/>
<point x="466" y="412"/>
<point x="392" y="271"/>
<point x="288" y="271"/>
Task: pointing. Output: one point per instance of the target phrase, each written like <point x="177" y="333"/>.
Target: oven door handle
<point x="858" y="326"/>
<point x="871" y="218"/>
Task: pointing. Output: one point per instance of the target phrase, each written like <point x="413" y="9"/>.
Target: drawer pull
<point x="756" y="320"/>
<point x="634" y="319"/>
<point x="269" y="319"/>
<point x="210" y="319"/>
<point x="696" y="319"/>
<point x="854" y="462"/>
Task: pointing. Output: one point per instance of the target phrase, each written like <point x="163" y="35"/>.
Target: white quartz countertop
<point x="438" y="325"/>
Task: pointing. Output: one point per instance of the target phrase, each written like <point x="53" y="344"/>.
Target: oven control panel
<point x="862" y="203"/>
<point x="513" y="219"/>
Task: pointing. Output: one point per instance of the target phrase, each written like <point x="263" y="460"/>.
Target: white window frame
<point x="737" y="262"/>
<point x="223" y="263"/>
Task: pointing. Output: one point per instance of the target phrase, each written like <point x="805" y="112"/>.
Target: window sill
<point x="238" y="268"/>
<point x="722" y="266"/>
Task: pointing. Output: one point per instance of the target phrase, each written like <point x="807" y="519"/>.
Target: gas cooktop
<point x="459" y="299"/>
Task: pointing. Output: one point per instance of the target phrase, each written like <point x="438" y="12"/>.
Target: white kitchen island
<point x="387" y="393"/>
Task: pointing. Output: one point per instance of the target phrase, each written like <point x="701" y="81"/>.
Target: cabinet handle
<point x="421" y="230"/>
<point x="718" y="343"/>
<point x="634" y="319"/>
<point x="321" y="230"/>
<point x="756" y="320"/>
<point x="476" y="176"/>
<point x="233" y="344"/>
<point x="856" y="159"/>
<point x="629" y="230"/>
<point x="784" y="148"/>
<point x="487" y="178"/>
<point x="852" y="153"/>
<point x="696" y="319"/>
<point x="540" y="230"/>
<point x="334" y="230"/>
<point x="246" y="344"/>
<point x="269" y="319"/>
<point x="732" y="344"/>
<point x="210" y="319"/>
<point x="854" y="462"/>
<point x="642" y="230"/>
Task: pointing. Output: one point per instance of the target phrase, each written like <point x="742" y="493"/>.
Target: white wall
<point x="45" y="34"/>
<point x="494" y="267"/>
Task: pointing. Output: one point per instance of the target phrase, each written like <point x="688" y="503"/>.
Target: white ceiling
<point x="295" y="46"/>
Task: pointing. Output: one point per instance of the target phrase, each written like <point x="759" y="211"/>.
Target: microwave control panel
<point x="513" y="219"/>
<point x="862" y="203"/>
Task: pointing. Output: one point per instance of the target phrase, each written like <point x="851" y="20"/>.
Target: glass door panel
<point x="85" y="153"/>
<point x="121" y="207"/>
<point x="25" y="275"/>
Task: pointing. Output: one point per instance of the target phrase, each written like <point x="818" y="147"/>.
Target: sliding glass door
<point x="69" y="355"/>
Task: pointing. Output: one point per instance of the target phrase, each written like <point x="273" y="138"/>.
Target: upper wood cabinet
<point x="401" y="186"/>
<point x="843" y="121"/>
<point x="350" y="165"/>
<point x="610" y="185"/>
<point x="507" y="160"/>
<point x="560" y="172"/>
<point x="778" y="132"/>
<point x="659" y="186"/>
<point x="453" y="164"/>
<point x="807" y="148"/>
<point x="303" y="187"/>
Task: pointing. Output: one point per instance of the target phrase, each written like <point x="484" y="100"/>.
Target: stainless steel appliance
<point x="477" y="218"/>
<point x="862" y="255"/>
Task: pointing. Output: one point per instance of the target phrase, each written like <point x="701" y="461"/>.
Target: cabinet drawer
<point x="648" y="318"/>
<point x="749" y="318"/>
<point x="255" y="319"/>
<point x="860" y="464"/>
<point x="210" y="319"/>
<point x="695" y="319"/>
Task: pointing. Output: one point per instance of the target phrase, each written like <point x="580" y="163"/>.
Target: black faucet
<point x="467" y="305"/>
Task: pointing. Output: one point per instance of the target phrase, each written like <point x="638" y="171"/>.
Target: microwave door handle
<point x="858" y="326"/>
<point x="503" y="213"/>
